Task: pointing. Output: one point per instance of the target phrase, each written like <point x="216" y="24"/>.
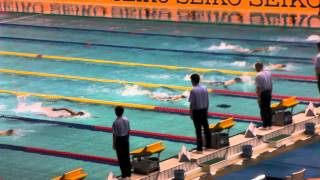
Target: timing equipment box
<point x="219" y="140"/>
<point x="281" y="118"/>
<point x="146" y="166"/>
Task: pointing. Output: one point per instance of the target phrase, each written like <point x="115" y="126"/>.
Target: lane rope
<point x="63" y="154"/>
<point x="291" y="59"/>
<point x="145" y="134"/>
<point x="304" y="100"/>
<point x="245" y="118"/>
<point x="291" y="43"/>
<point x="167" y="67"/>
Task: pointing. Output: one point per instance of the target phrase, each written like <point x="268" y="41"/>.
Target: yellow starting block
<point x="290" y="102"/>
<point x="76" y="174"/>
<point x="280" y="115"/>
<point x="148" y="150"/>
<point x="141" y="160"/>
<point x="219" y="139"/>
<point x="226" y="124"/>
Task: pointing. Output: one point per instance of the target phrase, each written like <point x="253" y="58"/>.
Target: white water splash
<point x="314" y="38"/>
<point x="37" y="108"/>
<point x="187" y="77"/>
<point x="248" y="84"/>
<point x="290" y="67"/>
<point x="275" y="49"/>
<point x="3" y="107"/>
<point x="161" y="76"/>
<point x="210" y="63"/>
<point x="18" y="133"/>
<point x="239" y="63"/>
<point x="225" y="46"/>
<point x="134" y="90"/>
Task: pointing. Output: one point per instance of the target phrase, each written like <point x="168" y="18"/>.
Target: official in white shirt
<point x="264" y="93"/>
<point x="316" y="61"/>
<point x="199" y="104"/>
<point x="120" y="132"/>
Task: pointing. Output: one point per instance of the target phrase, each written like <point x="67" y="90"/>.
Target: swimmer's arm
<point x="259" y="50"/>
<point x="65" y="109"/>
<point x="6" y="133"/>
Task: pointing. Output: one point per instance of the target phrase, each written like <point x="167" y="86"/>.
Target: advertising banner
<point x="288" y="13"/>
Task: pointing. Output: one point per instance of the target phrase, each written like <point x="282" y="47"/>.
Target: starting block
<point x="218" y="138"/>
<point x="76" y="174"/>
<point x="142" y="162"/>
<point x="280" y="114"/>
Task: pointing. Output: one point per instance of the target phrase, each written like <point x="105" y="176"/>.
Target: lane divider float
<point x="69" y="155"/>
<point x="167" y="67"/>
<point x="304" y="100"/>
<point x="245" y="118"/>
<point x="292" y="59"/>
<point x="145" y="134"/>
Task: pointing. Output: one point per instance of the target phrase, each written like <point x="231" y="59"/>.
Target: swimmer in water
<point x="60" y="112"/>
<point x="224" y="83"/>
<point x="71" y="112"/>
<point x="266" y="49"/>
<point x="7" y="132"/>
<point x="166" y="97"/>
<point x="276" y="67"/>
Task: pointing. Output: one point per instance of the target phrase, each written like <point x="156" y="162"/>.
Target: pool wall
<point x="236" y="142"/>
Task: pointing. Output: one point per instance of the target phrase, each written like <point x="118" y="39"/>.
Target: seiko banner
<point x="290" y="13"/>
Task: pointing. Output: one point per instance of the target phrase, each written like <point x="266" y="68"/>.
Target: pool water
<point x="165" y="43"/>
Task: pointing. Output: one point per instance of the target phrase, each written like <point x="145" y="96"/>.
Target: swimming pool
<point x="163" y="43"/>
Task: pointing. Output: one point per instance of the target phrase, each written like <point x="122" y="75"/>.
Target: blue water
<point x="24" y="166"/>
<point x="284" y="165"/>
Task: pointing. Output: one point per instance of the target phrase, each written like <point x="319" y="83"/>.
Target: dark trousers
<point x="122" y="149"/>
<point x="265" y="109"/>
<point x="200" y="119"/>
<point x="318" y="78"/>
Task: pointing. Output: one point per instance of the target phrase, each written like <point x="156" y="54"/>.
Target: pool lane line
<point x="167" y="67"/>
<point x="304" y="100"/>
<point x="290" y="43"/>
<point x="245" y="118"/>
<point x="90" y="44"/>
<point x="138" y="133"/>
<point x="63" y="154"/>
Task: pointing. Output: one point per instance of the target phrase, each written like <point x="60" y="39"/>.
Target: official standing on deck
<point x="317" y="65"/>
<point x="199" y="103"/>
<point x="120" y="132"/>
<point x="264" y="93"/>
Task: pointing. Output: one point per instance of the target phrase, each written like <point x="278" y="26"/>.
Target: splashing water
<point x="210" y="63"/>
<point x="18" y="133"/>
<point x="161" y="76"/>
<point x="187" y="77"/>
<point x="133" y="90"/>
<point x="37" y="108"/>
<point x="3" y="107"/>
<point x="275" y="49"/>
<point x="290" y="67"/>
<point x="225" y="46"/>
<point x="239" y="63"/>
<point x="315" y="38"/>
<point x="248" y="84"/>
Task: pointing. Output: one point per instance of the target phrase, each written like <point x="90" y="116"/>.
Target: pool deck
<point x="232" y="153"/>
